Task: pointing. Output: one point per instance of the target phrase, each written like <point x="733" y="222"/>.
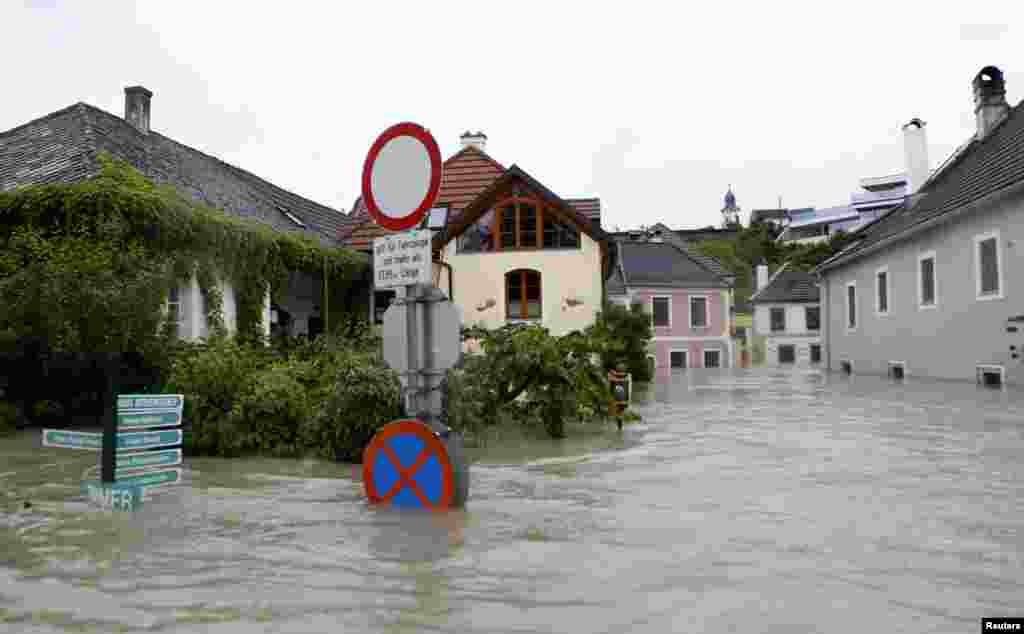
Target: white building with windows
<point x="930" y="289"/>
<point x="787" y="314"/>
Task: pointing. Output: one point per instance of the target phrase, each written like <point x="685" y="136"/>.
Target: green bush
<point x="364" y="396"/>
<point x="547" y="379"/>
<point x="629" y="330"/>
<point x="271" y="409"/>
<point x="213" y="376"/>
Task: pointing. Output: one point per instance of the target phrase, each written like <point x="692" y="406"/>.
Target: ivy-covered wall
<point x="87" y="266"/>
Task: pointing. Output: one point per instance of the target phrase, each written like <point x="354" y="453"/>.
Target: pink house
<point x="687" y="296"/>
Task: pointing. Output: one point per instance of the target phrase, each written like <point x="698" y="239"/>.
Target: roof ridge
<point x="45" y="117"/>
<point x="235" y="168"/>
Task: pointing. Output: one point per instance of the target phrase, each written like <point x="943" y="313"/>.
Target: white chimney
<point x="915" y="154"/>
<point x="136" y="107"/>
<point x="762" y="274"/>
<point x="477" y="140"/>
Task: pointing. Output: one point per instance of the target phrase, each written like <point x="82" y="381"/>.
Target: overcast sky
<point x="654" y="107"/>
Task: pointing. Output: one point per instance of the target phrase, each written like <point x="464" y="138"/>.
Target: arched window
<point x="522" y="294"/>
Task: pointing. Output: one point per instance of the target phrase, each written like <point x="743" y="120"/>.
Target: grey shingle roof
<point x="664" y="264"/>
<point x="788" y="285"/>
<point x="984" y="167"/>
<point x="63" y="147"/>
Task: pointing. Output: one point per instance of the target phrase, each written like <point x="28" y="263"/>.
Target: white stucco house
<point x="787" y="315"/>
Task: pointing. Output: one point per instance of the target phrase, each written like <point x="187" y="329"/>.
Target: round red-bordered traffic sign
<point x="407" y="465"/>
<point x="401" y="176"/>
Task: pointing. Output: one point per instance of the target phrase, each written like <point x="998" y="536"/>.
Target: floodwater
<point x="747" y="500"/>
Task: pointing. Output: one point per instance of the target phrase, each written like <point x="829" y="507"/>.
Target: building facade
<point x="689" y="303"/>
<point x="933" y="288"/>
<point x="787" y="317"/>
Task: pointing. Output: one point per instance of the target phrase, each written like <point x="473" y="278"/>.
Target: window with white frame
<point x="778" y="319"/>
<point x="882" y="291"/>
<point x="988" y="266"/>
<point x="661" y="310"/>
<point x="927" y="283"/>
<point x="851" y="305"/>
<point x="698" y="312"/>
<point x="677" y="358"/>
<point x="712" y="358"/>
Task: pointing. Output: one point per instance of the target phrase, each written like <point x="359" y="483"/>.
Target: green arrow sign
<point x="153" y="478"/>
<point x="141" y="420"/>
<point x="127" y="402"/>
<point x="72" y="439"/>
<point x="116" y="496"/>
<point x="147" y="439"/>
<point x="143" y="459"/>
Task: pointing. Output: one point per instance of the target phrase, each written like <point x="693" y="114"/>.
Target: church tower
<point x="731" y="211"/>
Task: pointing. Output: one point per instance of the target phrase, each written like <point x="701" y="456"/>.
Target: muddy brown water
<point x="747" y="500"/>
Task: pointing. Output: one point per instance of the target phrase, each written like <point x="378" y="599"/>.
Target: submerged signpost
<point x="128" y="467"/>
<point x="413" y="462"/>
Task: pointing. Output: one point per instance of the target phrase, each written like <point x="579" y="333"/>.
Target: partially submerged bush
<point x="365" y="395"/>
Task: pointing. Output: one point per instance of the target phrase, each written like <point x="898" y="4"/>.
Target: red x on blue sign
<point x="407" y="465"/>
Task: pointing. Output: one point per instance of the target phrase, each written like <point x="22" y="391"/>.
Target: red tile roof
<point x="589" y="207"/>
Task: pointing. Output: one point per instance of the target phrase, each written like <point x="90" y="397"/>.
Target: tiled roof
<point x="663" y="264"/>
<point x="587" y="207"/>
<point x="692" y="249"/>
<point x="985" y="167"/>
<point x="63" y="147"/>
<point x="788" y="285"/>
<point x="465" y="175"/>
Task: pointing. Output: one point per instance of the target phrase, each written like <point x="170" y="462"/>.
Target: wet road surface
<point x="748" y="500"/>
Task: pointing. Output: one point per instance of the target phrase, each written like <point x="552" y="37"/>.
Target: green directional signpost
<point x="143" y="459"/>
<point x="128" y="466"/>
<point x="143" y="420"/>
<point x="72" y="439"/>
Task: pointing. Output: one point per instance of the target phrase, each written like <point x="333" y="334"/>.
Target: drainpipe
<point x="451" y="291"/>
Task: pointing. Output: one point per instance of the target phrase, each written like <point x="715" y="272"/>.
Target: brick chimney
<point x="474" y="139"/>
<point x="136" y="107"/>
<point x="989" y="99"/>
<point x="915" y="154"/>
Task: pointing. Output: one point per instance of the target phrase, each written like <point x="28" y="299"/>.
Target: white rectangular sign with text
<point x="402" y="259"/>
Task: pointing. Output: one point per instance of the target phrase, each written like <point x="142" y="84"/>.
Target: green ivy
<point x="87" y="266"/>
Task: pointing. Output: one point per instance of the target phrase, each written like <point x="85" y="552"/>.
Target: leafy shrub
<point x="365" y="395"/>
<point x="556" y="377"/>
<point x="213" y="377"/>
<point x="628" y="331"/>
<point x="271" y="408"/>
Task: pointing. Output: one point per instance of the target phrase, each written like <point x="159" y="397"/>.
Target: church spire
<point x="730" y="211"/>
